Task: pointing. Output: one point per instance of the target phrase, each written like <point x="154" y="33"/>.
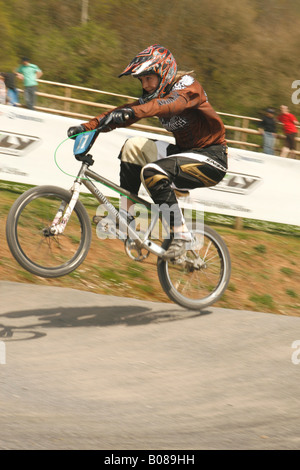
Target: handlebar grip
<point x="104" y="122"/>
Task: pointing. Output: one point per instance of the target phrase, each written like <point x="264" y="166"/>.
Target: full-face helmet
<point x="158" y="60"/>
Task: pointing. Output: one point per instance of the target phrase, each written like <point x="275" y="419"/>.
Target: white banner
<point x="34" y="150"/>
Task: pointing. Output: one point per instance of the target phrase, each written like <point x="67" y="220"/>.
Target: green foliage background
<point x="244" y="52"/>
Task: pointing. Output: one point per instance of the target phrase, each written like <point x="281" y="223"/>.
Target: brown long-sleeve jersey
<point x="185" y="112"/>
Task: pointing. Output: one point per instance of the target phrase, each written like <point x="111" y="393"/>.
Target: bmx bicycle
<point x="49" y="233"/>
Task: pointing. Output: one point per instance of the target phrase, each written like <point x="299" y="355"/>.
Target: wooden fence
<point x="241" y="131"/>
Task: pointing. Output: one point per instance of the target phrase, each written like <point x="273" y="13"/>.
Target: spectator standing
<point x="29" y="73"/>
<point x="289" y="122"/>
<point x="12" y="94"/>
<point x="267" y="128"/>
<point x="2" y="89"/>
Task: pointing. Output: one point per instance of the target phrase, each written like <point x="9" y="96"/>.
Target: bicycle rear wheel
<point x="200" y="277"/>
<point x="29" y="238"/>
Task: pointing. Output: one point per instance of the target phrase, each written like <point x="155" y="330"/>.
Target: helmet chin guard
<point x="157" y="60"/>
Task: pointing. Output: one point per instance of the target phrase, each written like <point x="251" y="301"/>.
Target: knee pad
<point x="157" y="184"/>
<point x="153" y="177"/>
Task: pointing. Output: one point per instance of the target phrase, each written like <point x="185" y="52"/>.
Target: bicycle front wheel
<point x="32" y="244"/>
<point x="200" y="277"/>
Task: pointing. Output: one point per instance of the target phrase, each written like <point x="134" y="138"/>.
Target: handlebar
<point x="84" y="141"/>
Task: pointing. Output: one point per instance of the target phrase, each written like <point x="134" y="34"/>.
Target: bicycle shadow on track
<point x="74" y="317"/>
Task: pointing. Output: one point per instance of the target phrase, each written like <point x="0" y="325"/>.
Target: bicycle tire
<point x="47" y="256"/>
<point x="197" y="289"/>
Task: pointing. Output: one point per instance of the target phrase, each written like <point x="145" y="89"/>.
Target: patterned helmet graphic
<point x="158" y="60"/>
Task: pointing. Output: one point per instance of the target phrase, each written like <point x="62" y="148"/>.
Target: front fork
<point x="64" y="212"/>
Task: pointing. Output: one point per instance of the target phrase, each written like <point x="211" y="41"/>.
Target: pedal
<point x="97" y="219"/>
<point x="105" y="228"/>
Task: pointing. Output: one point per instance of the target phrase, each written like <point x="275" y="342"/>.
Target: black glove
<point x="73" y="131"/>
<point x="120" y="116"/>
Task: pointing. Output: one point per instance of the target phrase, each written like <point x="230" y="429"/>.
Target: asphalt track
<point x="85" y="371"/>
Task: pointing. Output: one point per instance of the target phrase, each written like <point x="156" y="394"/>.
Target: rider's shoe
<point x="179" y="245"/>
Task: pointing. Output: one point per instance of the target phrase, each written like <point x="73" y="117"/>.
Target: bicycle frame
<point x="85" y="177"/>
